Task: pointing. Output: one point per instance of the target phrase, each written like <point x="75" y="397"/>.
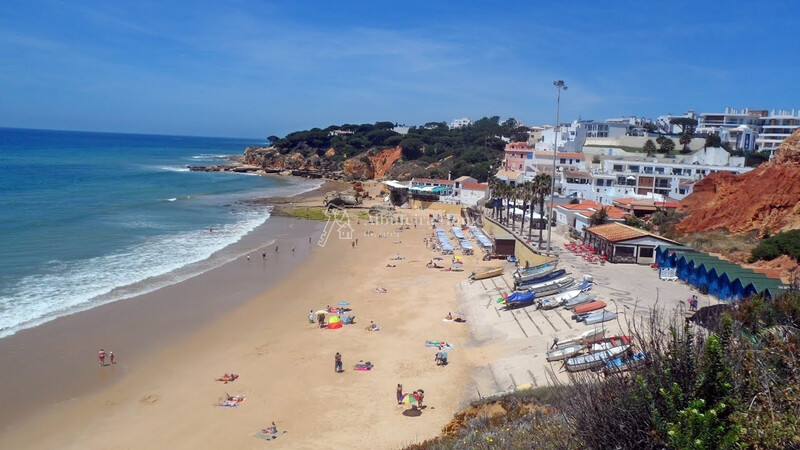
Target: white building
<point x="775" y="127"/>
<point x="663" y="125"/>
<point x="460" y="123"/>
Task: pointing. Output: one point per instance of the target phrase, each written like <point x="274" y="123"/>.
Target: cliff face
<point x="768" y="197"/>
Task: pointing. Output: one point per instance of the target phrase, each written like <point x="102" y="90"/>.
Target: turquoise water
<point x="89" y="218"/>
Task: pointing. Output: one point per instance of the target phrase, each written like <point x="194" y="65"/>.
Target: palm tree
<point x="515" y="191"/>
<point x="494" y="184"/>
<point x="524" y="194"/>
<point x="542" y="183"/>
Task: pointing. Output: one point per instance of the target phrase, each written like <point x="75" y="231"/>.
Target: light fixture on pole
<point x="560" y="85"/>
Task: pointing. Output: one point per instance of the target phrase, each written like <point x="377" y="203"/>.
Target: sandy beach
<point x="167" y="394"/>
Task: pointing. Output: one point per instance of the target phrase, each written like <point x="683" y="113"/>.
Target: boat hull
<point x="593" y="360"/>
<point x="588" y="307"/>
<point x="600" y="317"/>
<point x="487" y="274"/>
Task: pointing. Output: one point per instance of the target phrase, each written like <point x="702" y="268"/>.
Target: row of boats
<point x="592" y="351"/>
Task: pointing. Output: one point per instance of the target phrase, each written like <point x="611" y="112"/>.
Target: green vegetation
<point x="473" y="150"/>
<point x="529" y="193"/>
<point x="302" y="212"/>
<point x="599" y="217"/>
<point x="730" y="386"/>
<point x="783" y="243"/>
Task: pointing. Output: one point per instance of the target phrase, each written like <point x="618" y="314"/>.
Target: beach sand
<point x="167" y="394"/>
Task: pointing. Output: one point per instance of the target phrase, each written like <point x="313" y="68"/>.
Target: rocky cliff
<point x="766" y="198"/>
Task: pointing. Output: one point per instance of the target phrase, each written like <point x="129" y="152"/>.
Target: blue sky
<point x="255" y="68"/>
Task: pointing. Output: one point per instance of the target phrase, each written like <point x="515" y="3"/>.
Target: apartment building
<point x="775" y="127"/>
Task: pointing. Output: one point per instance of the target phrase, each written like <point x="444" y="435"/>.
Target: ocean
<point x="91" y="218"/>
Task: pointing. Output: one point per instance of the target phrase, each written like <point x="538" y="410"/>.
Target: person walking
<point x="399" y="394"/>
<point x="338" y="363"/>
<point x="111" y="356"/>
<point x="102" y="356"/>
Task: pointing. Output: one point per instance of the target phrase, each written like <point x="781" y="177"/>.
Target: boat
<point x="564" y="353"/>
<point x="588" y="307"/>
<point x="519" y="299"/>
<point x="583" y="338"/>
<point x="579" y="300"/>
<point x="536" y="271"/>
<point x="560" y="282"/>
<point x="488" y="273"/>
<point x="558" y="300"/>
<point x="542" y="278"/>
<point x="599" y="317"/>
<point x="624" y="362"/>
<point x="600" y="345"/>
<point x="594" y="360"/>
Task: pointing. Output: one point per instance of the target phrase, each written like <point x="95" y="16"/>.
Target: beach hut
<point x="504" y="244"/>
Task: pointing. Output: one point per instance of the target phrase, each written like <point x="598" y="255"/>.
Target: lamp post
<point x="560" y="85"/>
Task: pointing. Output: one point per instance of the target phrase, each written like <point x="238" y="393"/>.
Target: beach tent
<point x="334" y="322"/>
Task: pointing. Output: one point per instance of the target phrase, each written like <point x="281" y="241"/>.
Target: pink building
<point x="515" y="155"/>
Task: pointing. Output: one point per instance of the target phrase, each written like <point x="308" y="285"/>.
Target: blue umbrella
<point x="344" y="303"/>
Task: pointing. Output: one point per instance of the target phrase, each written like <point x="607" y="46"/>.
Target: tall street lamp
<point x="560" y="85"/>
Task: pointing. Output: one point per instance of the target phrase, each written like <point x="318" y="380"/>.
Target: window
<point x="645" y="252"/>
<point x="634" y="169"/>
<point x="617" y="167"/>
<point x="563" y="160"/>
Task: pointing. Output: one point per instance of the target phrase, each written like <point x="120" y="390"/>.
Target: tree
<point x="412" y="148"/>
<point x="649" y="126"/>
<point x="650" y="147"/>
<point x="685" y="123"/>
<point x="667" y="145"/>
<point x="599" y="217"/>
<point x="686" y="138"/>
<point x="713" y="140"/>
<point x="273" y="139"/>
<point x="542" y="184"/>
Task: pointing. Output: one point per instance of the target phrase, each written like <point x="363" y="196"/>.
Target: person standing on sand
<point x="264" y="255"/>
<point x="311" y="316"/>
<point x="399" y="394"/>
<point x="248" y="258"/>
<point x="337" y="363"/>
<point x="102" y="355"/>
<point x="111" y="356"/>
<point x="276" y="248"/>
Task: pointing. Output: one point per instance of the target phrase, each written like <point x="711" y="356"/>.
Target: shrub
<point x="783" y="243"/>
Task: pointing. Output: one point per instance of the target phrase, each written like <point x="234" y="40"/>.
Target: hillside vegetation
<point x="434" y="148"/>
<point x="734" y="387"/>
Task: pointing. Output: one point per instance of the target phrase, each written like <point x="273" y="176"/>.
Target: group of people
<point x="102" y="356"/>
<point x="692" y="301"/>
<point x="418" y="395"/>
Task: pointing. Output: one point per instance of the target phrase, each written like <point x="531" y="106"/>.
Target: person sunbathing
<point x="449" y="316"/>
<point x="391" y="265"/>
<point x="272" y="429"/>
<point x="379" y="290"/>
<point x="373" y="326"/>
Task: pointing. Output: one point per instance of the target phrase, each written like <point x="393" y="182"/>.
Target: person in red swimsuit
<point x="102" y="355"/>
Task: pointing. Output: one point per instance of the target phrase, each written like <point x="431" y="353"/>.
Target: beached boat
<point x="542" y="278"/>
<point x="579" y="300"/>
<point x="489" y="273"/>
<point x="589" y="307"/>
<point x="537" y="271"/>
<point x="594" y="360"/>
<point x="599" y="317"/>
<point x="624" y="362"/>
<point x="558" y="283"/>
<point x="519" y="299"/>
<point x="600" y="345"/>
<point x="583" y="338"/>
<point x="558" y="300"/>
<point x="564" y="353"/>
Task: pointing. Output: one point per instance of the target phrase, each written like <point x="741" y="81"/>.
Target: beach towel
<point x="268" y="436"/>
<point x="226" y="378"/>
<point x="436" y="344"/>
<point x="231" y="402"/>
<point x="364" y="366"/>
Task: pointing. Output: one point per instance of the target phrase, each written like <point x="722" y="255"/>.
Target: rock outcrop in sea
<point x="766" y="199"/>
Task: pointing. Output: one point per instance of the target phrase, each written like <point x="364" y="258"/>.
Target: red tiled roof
<point x="615" y="232"/>
<point x="613" y="213"/>
<point x="584" y="205"/>
<point x="475" y="186"/>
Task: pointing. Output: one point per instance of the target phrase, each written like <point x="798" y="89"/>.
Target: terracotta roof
<point x="616" y="232"/>
<point x="475" y="186"/>
<point x="613" y="213"/>
<point x="582" y="206"/>
<point x="508" y="174"/>
<point x="432" y="180"/>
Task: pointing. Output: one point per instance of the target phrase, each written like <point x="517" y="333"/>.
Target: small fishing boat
<point x="624" y="362"/>
<point x="579" y="300"/>
<point x="583" y="338"/>
<point x="533" y="279"/>
<point x="519" y="299"/>
<point x="489" y="273"/>
<point x="588" y="307"/>
<point x="593" y="360"/>
<point x="558" y="300"/>
<point x="600" y="345"/>
<point x="599" y="317"/>
<point x="564" y="353"/>
<point x="535" y="271"/>
<point x="558" y="283"/>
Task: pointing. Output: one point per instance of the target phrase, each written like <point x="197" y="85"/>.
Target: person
<point x="555" y="343"/>
<point x="689" y="302"/>
<point x="293" y="249"/>
<point x="449" y="316"/>
<point x="272" y="429"/>
<point x="695" y="300"/>
<point x="399" y="394"/>
<point x="337" y="363"/>
<point x="102" y="355"/>
<point x="419" y="395"/>
<point x="309" y="240"/>
<point x="248" y="258"/>
<point x="111" y="356"/>
<point x="353" y="244"/>
<point x="311" y="316"/>
<point x="264" y="255"/>
<point x="439" y="357"/>
<point x="356" y="241"/>
<point x="321" y="320"/>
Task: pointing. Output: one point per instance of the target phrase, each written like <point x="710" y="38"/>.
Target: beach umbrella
<point x="334" y="322"/>
<point x="321" y="311"/>
<point x="408" y="398"/>
<point x="344" y="303"/>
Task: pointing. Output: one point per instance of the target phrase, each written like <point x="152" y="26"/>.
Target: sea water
<point x="91" y="218"/>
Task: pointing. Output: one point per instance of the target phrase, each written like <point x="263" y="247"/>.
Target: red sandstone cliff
<point x="768" y="197"/>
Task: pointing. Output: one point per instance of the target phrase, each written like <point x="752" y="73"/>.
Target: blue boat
<point x="520" y="298"/>
<point x="535" y="271"/>
<point x="541" y="279"/>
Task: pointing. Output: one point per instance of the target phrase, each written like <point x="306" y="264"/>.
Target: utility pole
<point x="560" y="85"/>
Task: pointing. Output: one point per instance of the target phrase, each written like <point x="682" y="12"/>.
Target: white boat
<point x="563" y="281"/>
<point x="558" y="300"/>
<point x="535" y="272"/>
<point x="579" y="300"/>
<point x="588" y="335"/>
<point x="593" y="360"/>
<point x="599" y="317"/>
<point x="564" y="353"/>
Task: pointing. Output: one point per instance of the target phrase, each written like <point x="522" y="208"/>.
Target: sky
<point x="246" y="68"/>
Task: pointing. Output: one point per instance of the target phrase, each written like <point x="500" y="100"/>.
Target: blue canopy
<point x="521" y="297"/>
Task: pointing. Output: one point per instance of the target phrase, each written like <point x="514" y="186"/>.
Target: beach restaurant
<point x="619" y="243"/>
